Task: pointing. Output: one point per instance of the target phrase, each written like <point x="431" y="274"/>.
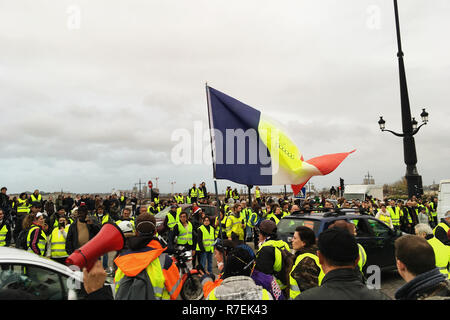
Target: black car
<point x="373" y="234"/>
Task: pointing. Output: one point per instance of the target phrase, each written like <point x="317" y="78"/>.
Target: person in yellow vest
<point x="394" y="212"/>
<point x="220" y="226"/>
<point x="5" y="230"/>
<point x="23" y="208"/>
<point x="57" y="241"/>
<point x="416" y="264"/>
<point x="153" y="208"/>
<point x="182" y="232"/>
<point x="172" y="218"/>
<point x="235" y="224"/>
<point x="146" y="255"/>
<point x="276" y="214"/>
<point x="307" y="272"/>
<point x="338" y="257"/>
<point x="351" y="228"/>
<point x="126" y="217"/>
<point x="202" y="192"/>
<point x="269" y="257"/>
<point x="205" y="244"/>
<point x="36" y="197"/>
<point x="193" y="193"/>
<point x="441" y="251"/>
<point x="36" y="237"/>
<point x="441" y="231"/>
<point x="102" y="216"/>
<point x="123" y="201"/>
<point x="235" y="194"/>
<point x="258" y="195"/>
<point x="54" y="221"/>
<point x="384" y="216"/>
<point x="228" y="194"/>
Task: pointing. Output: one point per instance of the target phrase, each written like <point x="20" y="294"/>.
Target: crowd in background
<point x="56" y="227"/>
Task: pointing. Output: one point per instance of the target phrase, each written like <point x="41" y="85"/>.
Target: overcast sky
<point x="92" y="91"/>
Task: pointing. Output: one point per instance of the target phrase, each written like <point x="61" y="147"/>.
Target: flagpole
<point x="208" y="100"/>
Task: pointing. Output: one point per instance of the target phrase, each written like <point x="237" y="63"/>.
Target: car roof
<point x="14" y="255"/>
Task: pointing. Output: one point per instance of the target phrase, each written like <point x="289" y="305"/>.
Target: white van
<point x="443" y="198"/>
<point x="359" y="191"/>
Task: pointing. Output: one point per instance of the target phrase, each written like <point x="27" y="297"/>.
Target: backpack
<point x="288" y="259"/>
<point x="21" y="242"/>
<point x="135" y="288"/>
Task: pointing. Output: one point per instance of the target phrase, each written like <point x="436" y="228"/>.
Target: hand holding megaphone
<point x="110" y="238"/>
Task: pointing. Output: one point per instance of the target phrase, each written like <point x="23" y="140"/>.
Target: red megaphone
<point x="110" y="238"/>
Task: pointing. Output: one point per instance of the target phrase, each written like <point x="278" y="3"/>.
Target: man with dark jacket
<point x="416" y="264"/>
<point x="338" y="255"/>
<point x="441" y="231"/>
<point x="81" y="231"/>
<point x="5" y="230"/>
<point x="5" y="204"/>
<point x="68" y="203"/>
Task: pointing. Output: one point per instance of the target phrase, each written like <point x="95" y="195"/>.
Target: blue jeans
<point x="206" y="256"/>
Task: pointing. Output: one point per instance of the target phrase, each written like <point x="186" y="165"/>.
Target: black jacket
<point x="72" y="236"/>
<point x="342" y="284"/>
<point x="441" y="234"/>
<point x="5" y="204"/>
<point x="8" y="234"/>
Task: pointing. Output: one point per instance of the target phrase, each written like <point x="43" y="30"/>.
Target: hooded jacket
<point x="239" y="288"/>
<point x="147" y="254"/>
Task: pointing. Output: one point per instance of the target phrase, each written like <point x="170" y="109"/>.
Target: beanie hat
<point x="338" y="245"/>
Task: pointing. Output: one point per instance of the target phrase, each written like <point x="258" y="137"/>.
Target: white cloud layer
<point x="93" y="108"/>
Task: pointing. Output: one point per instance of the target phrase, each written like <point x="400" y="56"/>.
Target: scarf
<point x="420" y="284"/>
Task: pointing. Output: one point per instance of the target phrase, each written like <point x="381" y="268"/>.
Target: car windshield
<point x="162" y="214"/>
<point x="289" y="225"/>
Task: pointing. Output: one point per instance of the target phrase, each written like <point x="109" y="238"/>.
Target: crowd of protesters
<point x="77" y="220"/>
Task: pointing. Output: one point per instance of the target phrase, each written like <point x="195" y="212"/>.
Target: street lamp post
<point x="409" y="126"/>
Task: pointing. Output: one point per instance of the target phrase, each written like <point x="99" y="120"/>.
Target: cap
<point x="173" y="206"/>
<point x="339" y="245"/>
<point x="447" y="214"/>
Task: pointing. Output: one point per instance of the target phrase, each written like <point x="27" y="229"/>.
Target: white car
<point x="40" y="278"/>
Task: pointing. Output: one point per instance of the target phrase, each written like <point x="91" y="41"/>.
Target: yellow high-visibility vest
<point x="441" y="253"/>
<point x="295" y="289"/>
<point x="58" y="243"/>
<point x="208" y="239"/>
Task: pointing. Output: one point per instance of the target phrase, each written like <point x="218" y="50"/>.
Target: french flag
<point x="251" y="149"/>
